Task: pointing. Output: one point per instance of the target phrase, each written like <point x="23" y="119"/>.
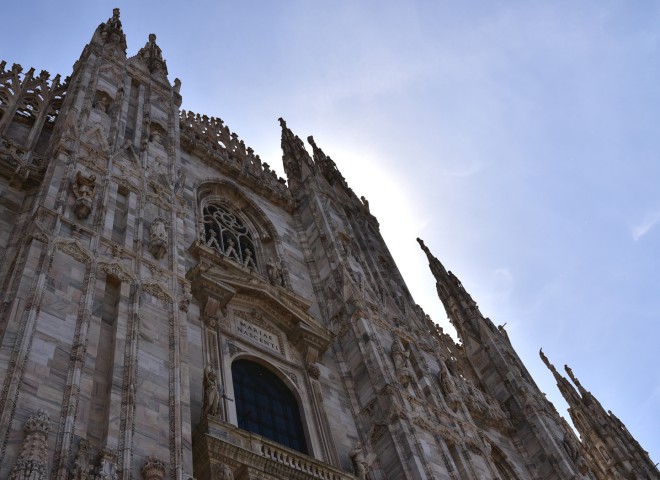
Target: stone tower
<point x="173" y="309"/>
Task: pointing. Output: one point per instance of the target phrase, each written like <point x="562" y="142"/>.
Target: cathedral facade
<point x="173" y="309"/>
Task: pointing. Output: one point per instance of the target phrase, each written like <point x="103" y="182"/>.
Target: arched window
<point x="265" y="405"/>
<point x="225" y="232"/>
<point x="503" y="468"/>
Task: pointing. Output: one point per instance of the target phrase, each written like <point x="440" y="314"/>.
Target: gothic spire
<point x="111" y="32"/>
<point x="461" y="309"/>
<point x="152" y="55"/>
<point x="294" y="156"/>
<point x="602" y="431"/>
<point x="437" y="269"/>
<point x="577" y="383"/>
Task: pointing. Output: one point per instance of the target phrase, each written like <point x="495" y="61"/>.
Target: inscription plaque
<point x="258" y="335"/>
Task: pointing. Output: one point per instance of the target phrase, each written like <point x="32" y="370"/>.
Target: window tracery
<point x="226" y="233"/>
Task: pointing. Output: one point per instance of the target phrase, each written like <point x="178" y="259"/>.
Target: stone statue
<point x="102" y="102"/>
<point x="83" y="189"/>
<point x="359" y="461"/>
<point x="400" y="358"/>
<point x="273" y="272"/>
<point x="106" y="464"/>
<point x="365" y="202"/>
<point x="212" y="241"/>
<point x="156" y="135"/>
<point x="158" y="238"/>
<point x="504" y="333"/>
<point x="212" y="405"/>
<point x="248" y="262"/>
<point x="230" y="250"/>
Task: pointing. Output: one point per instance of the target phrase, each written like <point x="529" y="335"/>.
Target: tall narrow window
<point x="119" y="220"/>
<point x="105" y="358"/>
<point x="225" y="232"/>
<point x="265" y="405"/>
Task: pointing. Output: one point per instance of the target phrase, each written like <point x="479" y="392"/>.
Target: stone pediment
<point x="217" y="279"/>
<point x="95" y="137"/>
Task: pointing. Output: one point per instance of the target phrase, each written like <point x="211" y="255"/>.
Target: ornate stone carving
<point x="185" y="298"/>
<point x="106" y="468"/>
<point x="222" y="471"/>
<point x="74" y="248"/>
<point x="452" y="397"/>
<point x="83" y="189"/>
<point x="117" y="269"/>
<point x="234" y="350"/>
<point x="212" y="403"/>
<point x="158" y="241"/>
<point x="111" y="31"/>
<point x="226" y="233"/>
<point x="400" y="358"/>
<point x="157" y="289"/>
<point x="83" y="466"/>
<point x="153" y="56"/>
<point x="313" y="371"/>
<point x="32" y="461"/>
<point x="153" y="469"/>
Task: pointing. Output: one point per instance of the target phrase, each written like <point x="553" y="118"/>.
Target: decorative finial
<point x="545" y="360"/>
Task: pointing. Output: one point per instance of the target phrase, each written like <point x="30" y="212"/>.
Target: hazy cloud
<point x="649" y="221"/>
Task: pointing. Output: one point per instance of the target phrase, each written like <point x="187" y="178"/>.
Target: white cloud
<point x="649" y="221"/>
<point x="504" y="278"/>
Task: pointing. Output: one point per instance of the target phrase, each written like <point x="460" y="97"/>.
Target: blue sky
<point x="519" y="139"/>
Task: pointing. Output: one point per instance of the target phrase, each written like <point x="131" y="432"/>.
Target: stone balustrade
<point x="225" y="442"/>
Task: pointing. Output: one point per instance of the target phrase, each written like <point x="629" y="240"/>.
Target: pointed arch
<point x="221" y="202"/>
<point x="504" y="468"/>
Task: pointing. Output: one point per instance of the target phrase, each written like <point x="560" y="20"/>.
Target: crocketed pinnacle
<point x="326" y="165"/>
<point x="153" y="55"/>
<point x="437" y="269"/>
<point x="111" y="32"/>
<point x="567" y="390"/>
<point x="294" y="155"/>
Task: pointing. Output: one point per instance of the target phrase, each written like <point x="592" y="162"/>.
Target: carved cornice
<point x="222" y="279"/>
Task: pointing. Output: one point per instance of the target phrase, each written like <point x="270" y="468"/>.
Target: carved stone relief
<point x="83" y="189"/>
<point x="153" y="469"/>
<point x="158" y="241"/>
<point x="32" y="461"/>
